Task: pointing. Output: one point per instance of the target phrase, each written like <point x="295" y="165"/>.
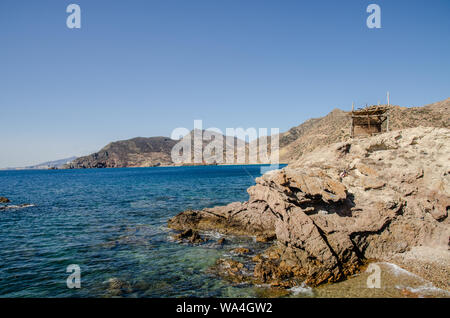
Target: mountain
<point x="136" y="152"/>
<point x="56" y="164"/>
<point x="150" y="152"/>
<point x="52" y="164"/>
<point x="335" y="127"/>
<point x="313" y="133"/>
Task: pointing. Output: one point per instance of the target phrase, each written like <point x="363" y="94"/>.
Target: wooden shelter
<point x="369" y="120"/>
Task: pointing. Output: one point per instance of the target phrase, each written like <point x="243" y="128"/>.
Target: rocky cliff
<point x="136" y="152"/>
<point x="340" y="206"/>
<point x="155" y="151"/>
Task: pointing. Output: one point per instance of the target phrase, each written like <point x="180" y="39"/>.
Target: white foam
<point x="212" y="234"/>
<point x="426" y="289"/>
<point x="22" y="206"/>
<point x="397" y="270"/>
<point x="302" y="289"/>
<point x="263" y="285"/>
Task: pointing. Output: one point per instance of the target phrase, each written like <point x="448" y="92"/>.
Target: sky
<point x="144" y="68"/>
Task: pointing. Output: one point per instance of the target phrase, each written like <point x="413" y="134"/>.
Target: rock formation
<point x="190" y="236"/>
<point x="342" y="205"/>
<point x="136" y="152"/>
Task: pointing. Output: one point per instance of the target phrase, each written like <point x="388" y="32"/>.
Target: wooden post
<point x="389" y="103"/>
<point x="387" y="122"/>
<point x="352" y="127"/>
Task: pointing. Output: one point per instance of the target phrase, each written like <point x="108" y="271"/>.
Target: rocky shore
<point x="341" y="206"/>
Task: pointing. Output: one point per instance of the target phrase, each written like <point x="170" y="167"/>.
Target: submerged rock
<point x="118" y="287"/>
<point x="4" y="200"/>
<point x="221" y="241"/>
<point x="190" y="235"/>
<point x="393" y="196"/>
<point x="231" y="270"/>
<point x="240" y="250"/>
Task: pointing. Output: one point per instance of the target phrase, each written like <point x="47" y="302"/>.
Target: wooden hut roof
<point x="371" y="110"/>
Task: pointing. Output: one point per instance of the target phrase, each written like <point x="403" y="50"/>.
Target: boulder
<point x="221" y="241"/>
<point x="190" y="235"/>
<point x="231" y="270"/>
<point x="117" y="287"/>
<point x="240" y="251"/>
<point x="4" y="200"/>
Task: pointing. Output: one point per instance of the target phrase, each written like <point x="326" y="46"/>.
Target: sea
<point x="111" y="226"/>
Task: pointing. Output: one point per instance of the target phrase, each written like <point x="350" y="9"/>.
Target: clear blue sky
<point x="143" y="68"/>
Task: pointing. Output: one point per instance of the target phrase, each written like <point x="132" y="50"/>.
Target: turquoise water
<point x="112" y="223"/>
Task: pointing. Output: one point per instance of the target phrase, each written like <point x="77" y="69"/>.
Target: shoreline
<point x="160" y="166"/>
<point x="426" y="262"/>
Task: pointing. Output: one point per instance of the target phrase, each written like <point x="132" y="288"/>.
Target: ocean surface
<point x="112" y="223"/>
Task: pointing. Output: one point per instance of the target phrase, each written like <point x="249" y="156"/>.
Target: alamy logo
<point x="237" y="146"/>
<point x="74" y="19"/>
<point x="74" y="279"/>
<point x="374" y="19"/>
<point x="374" y="279"/>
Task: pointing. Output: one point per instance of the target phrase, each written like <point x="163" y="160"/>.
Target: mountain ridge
<point x="313" y="133"/>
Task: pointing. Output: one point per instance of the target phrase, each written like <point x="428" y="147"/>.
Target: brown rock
<point x="257" y="258"/>
<point x="231" y="270"/>
<point x="439" y="213"/>
<point x="117" y="287"/>
<point x="373" y="183"/>
<point x="190" y="235"/>
<point x="240" y="250"/>
<point x="409" y="294"/>
<point x="4" y="200"/>
<point x="265" y="238"/>
<point x="185" y="234"/>
<point x="366" y="170"/>
<point x="221" y="241"/>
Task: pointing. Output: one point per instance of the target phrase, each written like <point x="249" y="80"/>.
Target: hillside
<point x="52" y="164"/>
<point x="136" y="152"/>
<point x="146" y="152"/>
<point x="335" y="127"/>
<point x="313" y="133"/>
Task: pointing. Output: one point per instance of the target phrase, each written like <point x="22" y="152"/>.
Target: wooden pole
<point x="387" y="122"/>
<point x="351" y="127"/>
<point x="389" y="103"/>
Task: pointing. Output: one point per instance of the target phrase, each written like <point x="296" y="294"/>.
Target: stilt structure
<point x="368" y="121"/>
